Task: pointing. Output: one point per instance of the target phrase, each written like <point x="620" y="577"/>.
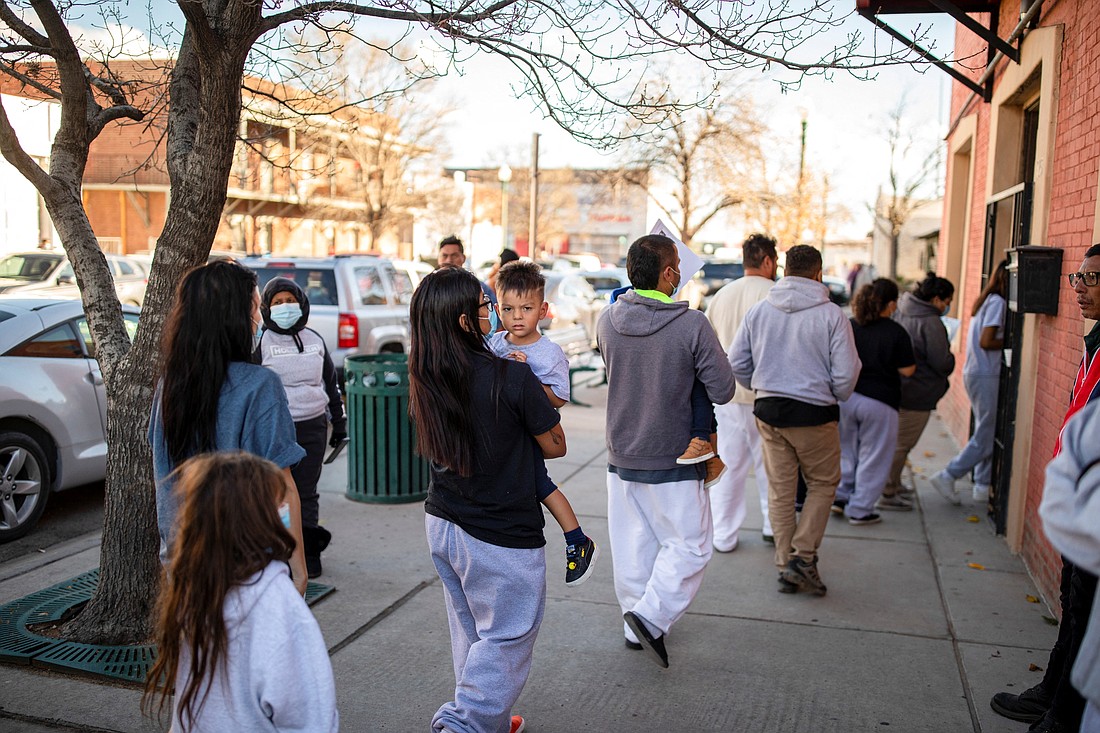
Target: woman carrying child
<point x="234" y="638"/>
<point x="486" y="425"/>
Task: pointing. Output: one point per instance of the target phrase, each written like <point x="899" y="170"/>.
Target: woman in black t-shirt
<point x="486" y="425"/>
<point x="869" y="418"/>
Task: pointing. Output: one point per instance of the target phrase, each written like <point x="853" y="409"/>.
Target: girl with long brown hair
<point x="869" y="418"/>
<point x="234" y="638"/>
<point x="486" y="425"/>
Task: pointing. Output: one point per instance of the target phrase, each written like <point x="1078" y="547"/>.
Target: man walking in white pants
<point x="738" y="436"/>
<point x="658" y="516"/>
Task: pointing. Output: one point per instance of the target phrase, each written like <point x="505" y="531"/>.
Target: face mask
<point x="284" y="514"/>
<point x="493" y="319"/>
<point x="946" y="308"/>
<point x="256" y="335"/>
<point x="286" y="315"/>
<point x="679" y="282"/>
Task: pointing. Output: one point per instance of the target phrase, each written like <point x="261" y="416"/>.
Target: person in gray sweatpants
<point x="486" y="425"/>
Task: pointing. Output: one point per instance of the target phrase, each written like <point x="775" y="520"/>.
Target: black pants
<point x="1076" y="591"/>
<point x="312" y="435"/>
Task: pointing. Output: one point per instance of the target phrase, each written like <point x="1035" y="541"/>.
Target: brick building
<point x="1023" y="151"/>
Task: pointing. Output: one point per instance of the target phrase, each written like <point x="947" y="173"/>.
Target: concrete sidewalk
<point x="911" y="637"/>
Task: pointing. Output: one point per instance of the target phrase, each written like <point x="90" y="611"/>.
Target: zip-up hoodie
<point x="935" y="362"/>
<point x="797" y="344"/>
<point x="276" y="674"/>
<point x="653" y="353"/>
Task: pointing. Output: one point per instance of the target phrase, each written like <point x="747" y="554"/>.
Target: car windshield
<point x="31" y="267"/>
<point x="723" y="270"/>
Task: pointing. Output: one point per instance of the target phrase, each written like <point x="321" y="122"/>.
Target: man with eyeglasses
<point x="1054" y="704"/>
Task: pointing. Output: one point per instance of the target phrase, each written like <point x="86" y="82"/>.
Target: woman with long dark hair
<point x="920" y="313"/>
<point x="982" y="379"/>
<point x="869" y="418"/>
<point x="212" y="398"/>
<point x="486" y="425"/>
<point x="234" y="638"/>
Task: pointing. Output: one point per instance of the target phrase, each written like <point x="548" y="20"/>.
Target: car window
<point x="130" y="322"/>
<point x="604" y="283"/>
<point x="59" y="342"/>
<point x="27" y="267"/>
<point x="124" y="268"/>
<point x="723" y="270"/>
<point x="368" y="282"/>
<point x="66" y="271"/>
<point x="318" y="284"/>
<point x="402" y="286"/>
<point x="5" y="315"/>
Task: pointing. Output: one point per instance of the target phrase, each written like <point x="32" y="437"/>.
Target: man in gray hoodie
<point x="797" y="351"/>
<point x="658" y="515"/>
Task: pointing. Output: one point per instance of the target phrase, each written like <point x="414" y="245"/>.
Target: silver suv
<point x="45" y="274"/>
<point x="359" y="304"/>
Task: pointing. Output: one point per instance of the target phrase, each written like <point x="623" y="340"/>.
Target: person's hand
<point x="518" y="356"/>
<point x="337" y="437"/>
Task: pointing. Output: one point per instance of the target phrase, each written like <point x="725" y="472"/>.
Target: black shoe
<point x="654" y="645"/>
<point x="804" y="575"/>
<point x="768" y="539"/>
<point x="579" y="561"/>
<point x="1049" y="723"/>
<point x="1027" y="707"/>
<point x="313" y="566"/>
<point x="838" y="507"/>
<point x="632" y="645"/>
<point x="786" y="586"/>
<point x="871" y="518"/>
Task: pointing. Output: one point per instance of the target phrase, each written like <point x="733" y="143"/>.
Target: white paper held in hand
<point x="689" y="261"/>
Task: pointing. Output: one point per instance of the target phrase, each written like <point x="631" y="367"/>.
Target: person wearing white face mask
<point x="299" y="356"/>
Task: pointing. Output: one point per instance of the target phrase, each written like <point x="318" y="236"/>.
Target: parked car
<point x="607" y="280"/>
<point x="838" y="289"/>
<point x="415" y="269"/>
<point x="572" y="300"/>
<point x="358" y="303"/>
<point x="53" y="408"/>
<point x="49" y="274"/>
<point x="709" y="279"/>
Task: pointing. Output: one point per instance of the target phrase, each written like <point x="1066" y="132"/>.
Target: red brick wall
<point x="1076" y="156"/>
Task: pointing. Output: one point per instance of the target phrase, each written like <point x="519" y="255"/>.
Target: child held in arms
<point x="520" y="290"/>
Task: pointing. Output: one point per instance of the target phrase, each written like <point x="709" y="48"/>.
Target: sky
<point x="845" y="117"/>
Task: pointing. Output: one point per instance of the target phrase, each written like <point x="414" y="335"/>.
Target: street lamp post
<point x="504" y="175"/>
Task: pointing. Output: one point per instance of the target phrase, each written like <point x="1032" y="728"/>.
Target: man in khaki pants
<point x="796" y="350"/>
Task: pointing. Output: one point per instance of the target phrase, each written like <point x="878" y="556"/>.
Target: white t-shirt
<point x="727" y="310"/>
<point x="979" y="361"/>
<point x="546" y="359"/>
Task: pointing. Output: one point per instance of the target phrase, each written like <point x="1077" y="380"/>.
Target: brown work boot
<point x="715" y="468"/>
<point x="698" y="450"/>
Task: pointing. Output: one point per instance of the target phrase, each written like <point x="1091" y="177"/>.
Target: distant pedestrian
<point x="211" y="397"/>
<point x="506" y="256"/>
<point x="235" y="641"/>
<point x="920" y="314"/>
<point x="452" y="253"/>
<point x="658" y="512"/>
<point x="299" y="356"/>
<point x="869" y="418"/>
<point x="982" y="379"/>
<point x="738" y="436"/>
<point x="795" y="349"/>
<point x="486" y="425"/>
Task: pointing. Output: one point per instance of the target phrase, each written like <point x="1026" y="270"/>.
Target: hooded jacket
<point x="300" y="357"/>
<point x="276" y="674"/>
<point x="653" y="353"/>
<point x="935" y="362"/>
<point x="797" y="344"/>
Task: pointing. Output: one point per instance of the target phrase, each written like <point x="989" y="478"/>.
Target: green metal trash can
<point x="383" y="466"/>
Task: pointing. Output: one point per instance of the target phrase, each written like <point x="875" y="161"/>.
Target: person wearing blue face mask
<point x="299" y="356"/>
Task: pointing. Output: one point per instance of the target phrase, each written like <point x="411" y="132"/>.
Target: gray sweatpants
<point x="495" y="599"/>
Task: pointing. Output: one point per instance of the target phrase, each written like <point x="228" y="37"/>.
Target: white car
<point x="53" y="408"/>
<point x="47" y="274"/>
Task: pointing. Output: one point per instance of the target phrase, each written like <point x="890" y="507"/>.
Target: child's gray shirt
<point x="546" y="359"/>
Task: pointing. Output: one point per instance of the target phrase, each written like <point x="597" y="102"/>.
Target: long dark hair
<point x="229" y="523"/>
<point x="997" y="284"/>
<point x="441" y="356"/>
<point x="210" y="326"/>
<point x="934" y="286"/>
<point x="872" y="299"/>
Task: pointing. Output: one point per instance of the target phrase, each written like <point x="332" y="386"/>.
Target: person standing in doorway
<point x="738" y="436"/>
<point x="982" y="378"/>
<point x="795" y="349"/>
<point x="658" y="513"/>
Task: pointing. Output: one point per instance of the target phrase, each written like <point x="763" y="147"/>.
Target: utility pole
<point x="533" y="230"/>
<point x="801" y="203"/>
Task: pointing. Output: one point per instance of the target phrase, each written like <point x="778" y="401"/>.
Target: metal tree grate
<point x="18" y="645"/>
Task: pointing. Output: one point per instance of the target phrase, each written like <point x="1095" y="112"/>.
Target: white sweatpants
<point x="660" y="544"/>
<point x="739" y="446"/>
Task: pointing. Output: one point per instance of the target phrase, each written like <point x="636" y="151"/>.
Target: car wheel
<point x="24" y="484"/>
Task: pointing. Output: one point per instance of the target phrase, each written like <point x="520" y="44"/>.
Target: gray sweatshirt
<point x="1070" y="511"/>
<point x="277" y="675"/>
<point x="797" y="344"/>
<point x="935" y="362"/>
<point x="654" y="352"/>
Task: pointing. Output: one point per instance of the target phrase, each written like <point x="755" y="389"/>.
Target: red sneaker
<point x="518" y="724"/>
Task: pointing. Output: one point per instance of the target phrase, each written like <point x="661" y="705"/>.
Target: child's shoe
<point x="698" y="450"/>
<point x="579" y="561"/>
<point x="715" y="468"/>
<point x="518" y="724"/>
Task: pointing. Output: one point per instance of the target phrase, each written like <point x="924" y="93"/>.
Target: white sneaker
<point x="945" y="484"/>
<point x="980" y="493"/>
